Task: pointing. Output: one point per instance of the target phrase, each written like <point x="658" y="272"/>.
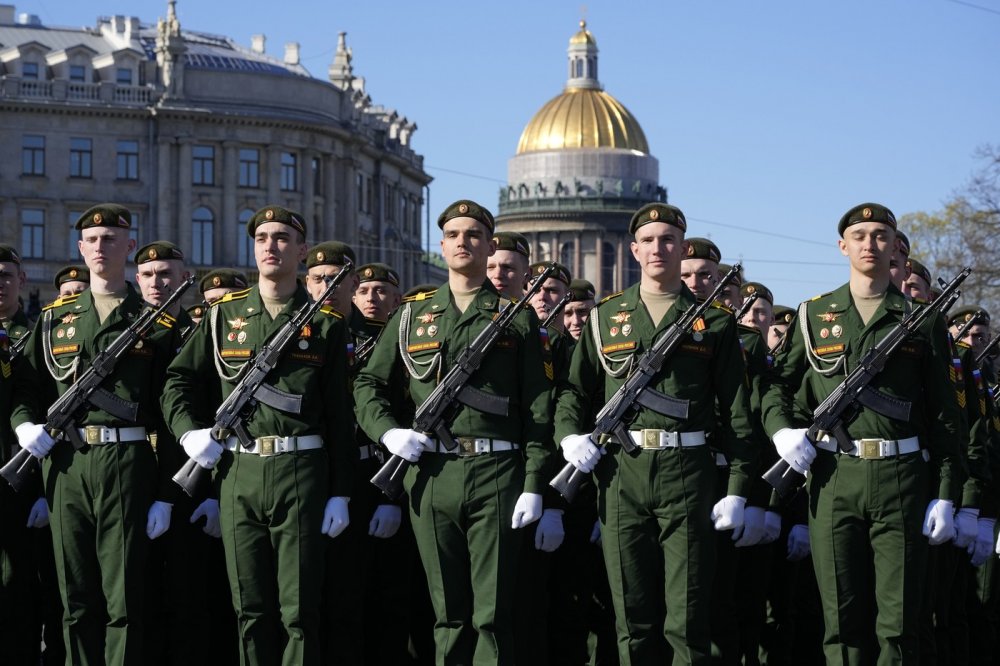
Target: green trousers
<point x="659" y="546"/>
<point x="99" y="498"/>
<point x="983" y="611"/>
<point x="271" y="513"/>
<point x="20" y="607"/>
<point x="461" y="510"/>
<point x="865" y="522"/>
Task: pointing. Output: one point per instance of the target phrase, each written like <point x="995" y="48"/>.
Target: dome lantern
<point x="583" y="60"/>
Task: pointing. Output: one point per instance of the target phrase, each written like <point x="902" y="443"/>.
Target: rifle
<point x="87" y="392"/>
<point x="18" y="347"/>
<point x="613" y="419"/>
<point x="977" y="316"/>
<point x="364" y="350"/>
<point x="745" y="308"/>
<point x="434" y="412"/>
<point x="251" y="389"/>
<point x="855" y="391"/>
<point x="988" y="350"/>
<point x="557" y="309"/>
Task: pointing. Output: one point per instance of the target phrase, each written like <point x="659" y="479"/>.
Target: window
<point x="369" y="195"/>
<point x="133" y="232"/>
<point x="33" y="155"/>
<point x="128" y="160"/>
<point x="73" y="253"/>
<point x="81" y="158"/>
<point x="202" y="227"/>
<point x="289" y="172"/>
<point x="317" y="170"/>
<point x="203" y="165"/>
<point x="78" y="73"/>
<point x="608" y="267"/>
<point x="387" y="204"/>
<point x="567" y="255"/>
<point x="244" y="251"/>
<point x="249" y="167"/>
<point x="361" y="192"/>
<point x="32" y="233"/>
<point x="123" y="76"/>
<point x="29" y="70"/>
<point x="404" y="210"/>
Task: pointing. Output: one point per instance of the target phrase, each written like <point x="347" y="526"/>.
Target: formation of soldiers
<point x="464" y="400"/>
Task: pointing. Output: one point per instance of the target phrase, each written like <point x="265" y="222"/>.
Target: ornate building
<point x="193" y="132"/>
<point x="582" y="168"/>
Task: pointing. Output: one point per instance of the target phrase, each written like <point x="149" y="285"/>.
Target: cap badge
<point x="654" y="214"/>
<point x="690" y="250"/>
<point x="369" y="272"/>
<point x="751" y="289"/>
<point x="463" y="208"/>
<point x="866" y="213"/>
<point x="320" y="256"/>
<point x="151" y="254"/>
<point x="73" y="273"/>
<point x="269" y="215"/>
<point x="98" y="218"/>
<point x="216" y="281"/>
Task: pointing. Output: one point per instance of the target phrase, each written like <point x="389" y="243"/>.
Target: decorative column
<point x="183" y="219"/>
<point x="227" y="255"/>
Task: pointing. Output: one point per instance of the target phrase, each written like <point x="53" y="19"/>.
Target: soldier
<point x="466" y="504"/>
<point x="656" y="503"/>
<point x="918" y="285"/>
<point x="196" y="312"/>
<point x="731" y="293"/>
<point x="280" y="495"/>
<point x="578" y="309"/>
<point x="102" y="495"/>
<point x="869" y="505"/>
<point x="899" y="266"/>
<point x="783" y="316"/>
<point x="71" y="280"/>
<point x="761" y="313"/>
<point x="507" y="268"/>
<point x="220" y="282"/>
<point x="377" y="295"/>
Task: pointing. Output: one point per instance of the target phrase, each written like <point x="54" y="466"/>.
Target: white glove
<point x="201" y="447"/>
<point x="527" y="510"/>
<point x="981" y="547"/>
<point x="966" y="526"/>
<point x="595" y="533"/>
<point x="772" y="527"/>
<point x="34" y="439"/>
<point x="798" y="543"/>
<point x="939" y="526"/>
<point x="335" y="516"/>
<point x="549" y="534"/>
<point x="728" y="512"/>
<point x="407" y="444"/>
<point x="752" y="530"/>
<point x="39" y="514"/>
<point x="581" y="452"/>
<point x="795" y="448"/>
<point x="385" y="521"/>
<point x="158" y="519"/>
<point x="210" y="509"/>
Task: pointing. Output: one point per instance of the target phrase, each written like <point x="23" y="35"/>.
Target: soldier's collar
<point x="838" y="300"/>
<point x="627" y="301"/>
<point x="488" y="298"/>
<point x="894" y="301"/>
<point x="253" y="306"/>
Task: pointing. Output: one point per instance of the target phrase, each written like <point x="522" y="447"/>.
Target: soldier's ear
<point x="686" y="246"/>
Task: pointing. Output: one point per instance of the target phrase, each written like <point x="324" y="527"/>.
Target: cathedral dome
<point x="583" y="118"/>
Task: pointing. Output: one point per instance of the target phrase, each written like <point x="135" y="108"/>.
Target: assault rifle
<point x="976" y="317"/>
<point x="745" y="308"/>
<point x="557" y="310"/>
<point x="614" y="418"/>
<point x="855" y="391"/>
<point x="434" y="413"/>
<point x="988" y="350"/>
<point x="18" y="347"/>
<point x="86" y="392"/>
<point x="251" y="389"/>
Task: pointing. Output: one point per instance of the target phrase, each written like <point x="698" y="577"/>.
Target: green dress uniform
<point x="866" y="513"/>
<point x="461" y="502"/>
<point x="655" y="503"/>
<point x="272" y="497"/>
<point x="99" y="495"/>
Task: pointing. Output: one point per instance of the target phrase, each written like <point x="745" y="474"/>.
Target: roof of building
<point x="583" y="118"/>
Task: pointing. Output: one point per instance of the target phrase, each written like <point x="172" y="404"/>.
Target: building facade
<point x="194" y="132"/>
<point x="581" y="169"/>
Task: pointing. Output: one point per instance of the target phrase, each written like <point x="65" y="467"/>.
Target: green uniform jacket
<point x="917" y="372"/>
<point x="706" y="369"/>
<point x="436" y="335"/>
<point x="314" y="367"/>
<point x="755" y="355"/>
<point x="77" y="333"/>
<point x="973" y="398"/>
<point x="10" y="374"/>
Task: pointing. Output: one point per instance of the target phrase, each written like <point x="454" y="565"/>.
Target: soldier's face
<point x="158" y="279"/>
<point x="760" y="316"/>
<point x="869" y="247"/>
<point x="575" y="316"/>
<point x="731" y="295"/>
<point x="916" y="287"/>
<point x="976" y="337"/>
<point x="546" y="299"/>
<point x="278" y="249"/>
<point x="506" y="270"/>
<point x="899" y="271"/>
<point x="316" y="285"/>
<point x="376" y="299"/>
<point x="72" y="287"/>
<point x="12" y="279"/>
<point x="105" y="250"/>
<point x="659" y="248"/>
<point x="700" y="275"/>
<point x="775" y="333"/>
<point x="466" y="245"/>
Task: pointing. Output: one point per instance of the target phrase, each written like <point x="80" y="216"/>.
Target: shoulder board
<point x="743" y="328"/>
<point x="62" y="300"/>
<point x="233" y="296"/>
<point x="816" y="298"/>
<point x="719" y="305"/>
<point x="326" y="309"/>
<point x="375" y="322"/>
<point x="166" y="320"/>
<point x="422" y="296"/>
<point x="963" y="345"/>
<point x="608" y="298"/>
<point x="920" y="301"/>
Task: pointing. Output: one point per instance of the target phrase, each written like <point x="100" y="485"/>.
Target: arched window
<point x="566" y="256"/>
<point x="202" y="234"/>
<point x="608" y="268"/>
<point x="579" y="68"/>
<point x="244" y="250"/>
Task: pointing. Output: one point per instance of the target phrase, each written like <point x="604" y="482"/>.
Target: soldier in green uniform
<point x="918" y="284"/>
<point x="657" y="504"/>
<point x="220" y="282"/>
<point x="731" y="292"/>
<point x="761" y="313"/>
<point x="281" y="494"/>
<point x="776" y="332"/>
<point x="507" y="267"/>
<point x="378" y="294"/>
<point x="869" y="506"/>
<point x="71" y="280"/>
<point x="108" y="498"/>
<point x="899" y="266"/>
<point x="466" y="503"/>
<point x="578" y="308"/>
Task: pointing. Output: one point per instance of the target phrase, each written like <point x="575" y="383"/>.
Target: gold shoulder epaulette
<point x="722" y="306"/>
<point x="166" y="320"/>
<point x="920" y="301"/>
<point x="816" y="298"/>
<point x="963" y="345"/>
<point x="62" y="300"/>
<point x="233" y="296"/>
<point x="422" y="296"/>
<point x="326" y="309"/>
<point x="748" y="329"/>
<point x="608" y="298"/>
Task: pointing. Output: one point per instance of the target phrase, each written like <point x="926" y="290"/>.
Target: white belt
<point x="95" y="435"/>
<point x="369" y="451"/>
<point x="474" y="446"/>
<point x="273" y="445"/>
<point x="872" y="449"/>
<point x="654" y="439"/>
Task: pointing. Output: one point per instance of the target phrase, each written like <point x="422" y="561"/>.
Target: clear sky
<point x="769" y="119"/>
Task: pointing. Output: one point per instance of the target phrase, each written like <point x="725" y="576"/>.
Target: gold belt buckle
<point x="651" y="438"/>
<point x="466" y="446"/>
<point x="266" y="445"/>
<point x="869" y="449"/>
<point x="92" y="434"/>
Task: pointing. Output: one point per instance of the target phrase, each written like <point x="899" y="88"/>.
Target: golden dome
<point x="583" y="118"/>
<point x="583" y="37"/>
